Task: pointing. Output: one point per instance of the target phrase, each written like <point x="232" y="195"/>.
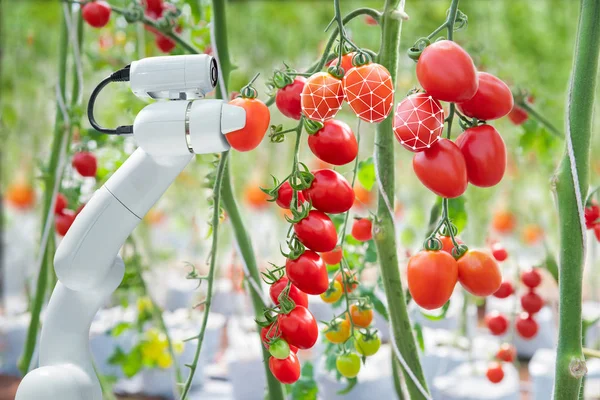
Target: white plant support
<point x="86" y="262"/>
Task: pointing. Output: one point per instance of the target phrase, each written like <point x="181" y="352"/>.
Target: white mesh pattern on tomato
<point x="322" y="97"/>
<point x="369" y="91"/>
<point x="418" y="121"/>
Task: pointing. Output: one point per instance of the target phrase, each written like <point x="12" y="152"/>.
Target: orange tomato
<point x="322" y="96"/>
<point x="532" y="234"/>
<point x="20" y="195"/>
<point x="339" y="331"/>
<point x="432" y="276"/>
<point x="479" y="273"/>
<point x="348" y="277"/>
<point x="258" y="118"/>
<point x="363" y="197"/>
<point x="361" y="317"/>
<point x="346" y="61"/>
<point x="447" y="244"/>
<point x="255" y="197"/>
<point x="504" y="221"/>
<point x="333" y="257"/>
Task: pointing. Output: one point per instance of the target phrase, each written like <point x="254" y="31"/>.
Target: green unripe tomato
<point x="348" y="364"/>
<point x="279" y="349"/>
<point x="366" y="346"/>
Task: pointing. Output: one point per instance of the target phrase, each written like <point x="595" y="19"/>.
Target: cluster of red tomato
<point x="506" y="353"/>
<point x="447" y="73"/>
<point x="592" y="217"/>
<point x="86" y="165"/>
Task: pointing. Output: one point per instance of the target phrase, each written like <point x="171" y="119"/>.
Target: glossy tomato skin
<point x="361" y="317"/>
<point x="316" y="232"/>
<point x="447" y="244"/>
<point x="348" y="365"/>
<point x="333" y="257"/>
<point x="322" y="97"/>
<point x="517" y="115"/>
<point x="258" y="118"/>
<point x="299" y="328"/>
<point x="485" y="154"/>
<point x="369" y="91"/>
<point x="334" y="143"/>
<point x="285" y="194"/>
<point x="446" y="71"/>
<point x="286" y="371"/>
<point x="299" y="297"/>
<point x="492" y="100"/>
<point x="431" y="276"/>
<point x="63" y="221"/>
<point x="418" y="122"/>
<point x="532" y="303"/>
<point x="339" y="332"/>
<point x="526" y="326"/>
<point x="479" y="273"/>
<point x="96" y="14"/>
<point x="442" y="169"/>
<point x="329" y="192"/>
<point x="85" y="164"/>
<point x="531" y="278"/>
<point x="362" y="229"/>
<point x="497" y="323"/>
<point x="505" y="290"/>
<point x="287" y="98"/>
<point x="495" y="373"/>
<point x="308" y="273"/>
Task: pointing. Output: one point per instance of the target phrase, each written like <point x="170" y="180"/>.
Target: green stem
<point x="397" y="376"/>
<point x="211" y="271"/>
<point x="580" y="106"/>
<point x="49" y="183"/>
<point x="385" y="237"/>
<point x="542" y="119"/>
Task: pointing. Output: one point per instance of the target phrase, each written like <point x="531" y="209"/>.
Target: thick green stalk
<point x="242" y="237"/>
<point x="570" y="363"/>
<point x="385" y="238"/>
<point x="49" y="182"/>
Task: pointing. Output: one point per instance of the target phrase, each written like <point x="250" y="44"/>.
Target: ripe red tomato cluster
<point x="506" y="353"/>
<point x="478" y="156"/>
<point x="154" y="10"/>
<point x="592" y="218"/>
<point x="64" y="217"/>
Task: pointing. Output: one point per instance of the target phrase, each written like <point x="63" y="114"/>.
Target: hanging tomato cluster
<point x="506" y="353"/>
<point x="531" y="303"/>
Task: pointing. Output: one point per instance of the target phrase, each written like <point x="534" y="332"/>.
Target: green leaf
<point x="306" y="387"/>
<point x="438" y="317"/>
<point x="351" y="383"/>
<point x="120" y="328"/>
<point x="419" y="336"/>
<point x="371" y="252"/>
<point x="366" y="173"/>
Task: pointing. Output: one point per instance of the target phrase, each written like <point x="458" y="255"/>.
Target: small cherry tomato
<point x="362" y="229"/>
<point x="285" y="371"/>
<point x="287" y="98"/>
<point x="369" y="91"/>
<point x="507" y="353"/>
<point x="164" y="43"/>
<point x="279" y="349"/>
<point x="497" y="323"/>
<point x="485" y="155"/>
<point x="322" y="96"/>
<point x="366" y="345"/>
<point x="442" y="169"/>
<point x="532" y="234"/>
<point x="347" y="279"/>
<point x="316" y="232"/>
<point x="338" y="331"/>
<point x="517" y="115"/>
<point x="255" y="197"/>
<point x="504" y="221"/>
<point x="361" y="316"/>
<point x="334" y="143"/>
<point x="526" y="326"/>
<point x="348" y="365"/>
<point x="96" y="13"/>
<point x="329" y="192"/>
<point x="531" y="303"/>
<point x="447" y="244"/>
<point x="418" y="122"/>
<point x="85" y="164"/>
<point x="531" y="278"/>
<point x="505" y="290"/>
<point x="299" y="328"/>
<point x="495" y="373"/>
<point x="258" y="118"/>
<point x="285" y="194"/>
<point x="60" y="204"/>
<point x="299" y="297"/>
<point x="333" y="293"/>
<point x="499" y="252"/>
<point x="431" y="276"/>
<point x="333" y="257"/>
<point x="492" y="100"/>
<point x="479" y="273"/>
<point x="63" y="222"/>
<point x="308" y="273"/>
<point x="20" y="195"/>
<point x="446" y="71"/>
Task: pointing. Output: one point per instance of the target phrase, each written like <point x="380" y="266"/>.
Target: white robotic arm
<point x="168" y="134"/>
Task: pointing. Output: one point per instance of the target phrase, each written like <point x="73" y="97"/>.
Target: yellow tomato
<point x="332" y="294"/>
<point x="338" y="331"/>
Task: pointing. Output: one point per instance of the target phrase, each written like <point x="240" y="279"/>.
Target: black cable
<point x="121" y="75"/>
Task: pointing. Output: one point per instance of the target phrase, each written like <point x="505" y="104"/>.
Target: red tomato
<point x="258" y="118"/>
<point x="446" y="71"/>
<point x="333" y="257"/>
<point x="298" y="296"/>
<point x="370" y="20"/>
<point x="418" y="121"/>
<point x="285" y="371"/>
<point x="531" y="302"/>
<point x="346" y="62"/>
<point x="299" y="328"/>
<point x="334" y="143"/>
<point x="287" y="98"/>
<point x="361" y="317"/>
<point x="308" y="272"/>
<point x="494" y="373"/>
<point x="316" y="232"/>
<point x="479" y="273"/>
<point x="431" y="276"/>
<point x="60" y="204"/>
<point x="526" y="326"/>
<point x="64" y="221"/>
<point x="85" y="163"/>
<point x="499" y="252"/>
<point x="592" y="213"/>
<point x="322" y="96"/>
<point x="507" y="353"/>
<point x="517" y="115"/>
<point x="362" y="229"/>
<point x="96" y="13"/>
<point x="164" y="43"/>
<point x="497" y="323"/>
<point x="155" y="6"/>
<point x="329" y="192"/>
<point x="350" y="280"/>
<point x="269" y="333"/>
<point x="285" y="194"/>
<point x="447" y="244"/>
<point x="505" y="290"/>
<point x="485" y="155"/>
<point x="20" y="195"/>
<point x="442" y="169"/>
<point x="531" y="278"/>
<point x="369" y="91"/>
<point x="492" y="100"/>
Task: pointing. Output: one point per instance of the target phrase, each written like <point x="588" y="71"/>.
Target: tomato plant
<point x="348" y="365"/>
<point x="479" y="273"/>
<point x="287" y="370"/>
<point x="329" y="192"/>
<point x="299" y="328"/>
<point x="316" y="231"/>
<point x="367" y="343"/>
<point x="334" y="142"/>
<point x="308" y="273"/>
<point x="432" y="276"/>
<point x="298" y="296"/>
<point x="361" y="315"/>
<point x="338" y="330"/>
